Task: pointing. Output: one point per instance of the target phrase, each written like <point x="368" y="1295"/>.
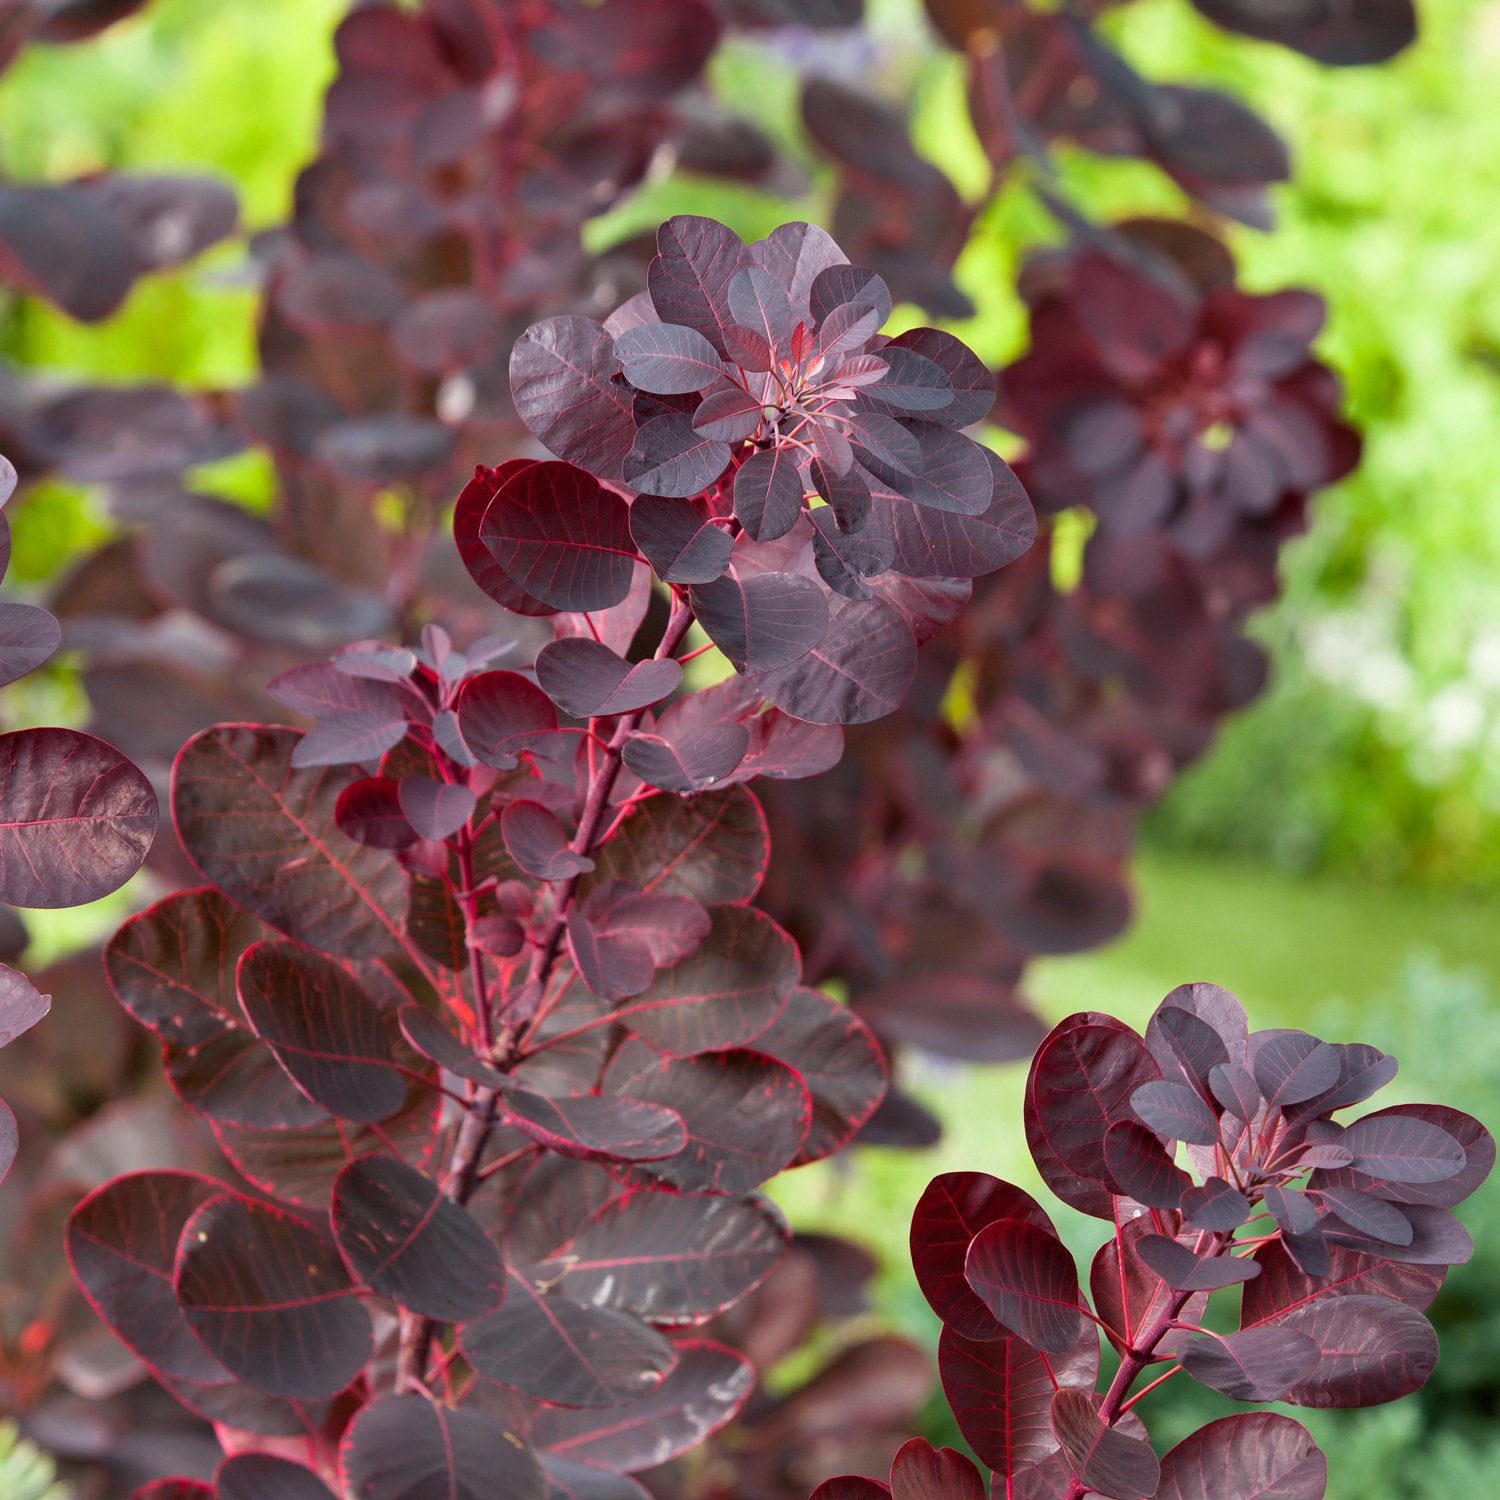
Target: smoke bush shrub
<point x="1336" y="1236"/>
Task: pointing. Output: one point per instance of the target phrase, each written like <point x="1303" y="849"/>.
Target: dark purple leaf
<point x="266" y="836"/>
<point x="269" y="1298"/>
<point x="569" y="1481"/>
<point x="1028" y="1281"/>
<point x="1479" y="1157"/>
<point x="28" y="636"/>
<point x="412" y="1448"/>
<point x="1373" y="1350"/>
<point x="538" y="842"/>
<point x="1129" y="1296"/>
<point x="1256" y="1365"/>
<point x="588" y="1126"/>
<point x="1291" y="1066"/>
<point x="921" y="1472"/>
<point x="688" y="763"/>
<point x="561" y="537"/>
<point x="563" y="381"/>
<point x="1369" y="31"/>
<point x="10" y="1140"/>
<point x="952" y="1210"/>
<point x="1282" y="1287"/>
<point x="765" y="621"/>
<point x="671" y="457"/>
<point x="402" y="1237"/>
<point x="586" y="679"/>
<point x="1403" y="1148"/>
<point x="1104" y="1458"/>
<point x="21" y="1005"/>
<point x="1184" y="1271"/>
<point x="668" y="359"/>
<point x="679" y="543"/>
<point x="1001" y="1393"/>
<point x="1258" y="1456"/>
<point x="1437" y="1238"/>
<point x="1291" y="1209"/>
<point x="1176" y="1111"/>
<point x="502" y="713"/>
<point x="729" y="416"/>
<point x="689" y="280"/>
<point x="1368" y="1214"/>
<point x="851" y="1487"/>
<point x="1185" y="1046"/>
<point x="768" y="494"/>
<point x="913" y="382"/>
<point x="936" y="544"/>
<point x="468" y="517"/>
<point x="436" y="809"/>
<point x="263" y="1476"/>
<point x="369" y="812"/>
<point x="1139" y="1166"/>
<point x="614" y="967"/>
<point x="324" y="1029"/>
<point x="350" y="739"/>
<point x="1235" y="1088"/>
<point x="1216" y="1205"/>
<point x="563" y="1352"/>
<point x="76" y="818"/>
<point x="793" y="256"/>
<point x="704" y="1391"/>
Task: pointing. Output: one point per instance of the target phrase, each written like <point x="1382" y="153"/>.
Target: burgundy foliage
<point x="1214" y="1153"/>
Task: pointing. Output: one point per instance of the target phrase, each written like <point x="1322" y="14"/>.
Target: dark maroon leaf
<point x="1373" y="1350"/>
<point x="269" y="1298"/>
<point x="729" y="416"/>
<point x="10" y="1140"/>
<point x="587" y="679"/>
<point x="173" y="1489"/>
<point x="712" y="847"/>
<point x="704" y="1391"/>
<point x="28" y="636"/>
<point x="587" y="1126"/>
<point x="369" y="812"/>
<point x="1216" y="1205"/>
<point x="468" y="517"/>
<point x="263" y="1476"/>
<point x="850" y="1487"/>
<point x="1235" y="1088"/>
<point x="1256" y="1365"/>
<point x="62" y="243"/>
<point x="569" y="1481"/>
<point x="412" y="1448"/>
<point x="1479" y="1154"/>
<point x="1140" y="1168"/>
<point x="502" y="713"/>
<point x="671" y="457"/>
<point x="768" y="494"/>
<point x="561" y="537"/>
<point x="1028" y="1281"/>
<point x="948" y="1215"/>
<point x="538" y="842"/>
<point x="1369" y="31"/>
<point x="405" y="1239"/>
<point x="1437" y="1238"/>
<point x="266" y="836"/>
<point x="839" y="1062"/>
<point x="611" y="966"/>
<point x="21" y="1005"/>
<point x="937" y="544"/>
<point x="668" y="359"/>
<point x="764" y="621"/>
<point x="350" y="739"/>
<point x="690" y="762"/>
<point x="921" y="1472"/>
<point x="1104" y="1458"/>
<point x="1080" y="1084"/>
<point x="1185" y="1046"/>
<point x="436" y="809"/>
<point x="1258" y="1456"/>
<point x="669" y="928"/>
<point x="1403" y="1148"/>
<point x="561" y="1351"/>
<point x="725" y="994"/>
<point x="689" y="279"/>
<point x="913" y="382"/>
<point x="1001" y="1393"/>
<point x="122" y="1243"/>
<point x="1179" y="1267"/>
<point x="1129" y="1296"/>
<point x="1292" y="1210"/>
<point x="562" y="379"/>
<point x="678" y="542"/>
<point x="1176" y="1111"/>
<point x="757" y="302"/>
<point x="76" y="818"/>
<point x="324" y="1029"/>
<point x="1291" y="1066"/>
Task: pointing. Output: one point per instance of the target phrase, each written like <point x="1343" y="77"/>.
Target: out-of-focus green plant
<point x="26" y="1473"/>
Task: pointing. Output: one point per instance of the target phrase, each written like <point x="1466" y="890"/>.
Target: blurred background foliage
<point x="1335" y="860"/>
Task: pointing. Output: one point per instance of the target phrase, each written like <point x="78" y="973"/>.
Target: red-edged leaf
<point x="173" y="1489"/>
<point x="726" y="993"/>
<point x="562" y="537"/>
<point x="704" y="1391"/>
<point x="1001" y="1393"/>
<point x="1255" y="1365"/>
<point x="851" y="1487"/>
<point x="402" y="1237"/>
<point x="325" y="1030"/>
<point x="436" y="809"/>
<point x="76" y="818"/>
<point x="768" y="494"/>
<point x="757" y="302"/>
<point x="1257" y="1456"/>
<point x="729" y="416"/>
<point x="369" y="812"/>
<point x="263" y="1476"/>
<point x="1028" y="1281"/>
<point x="1373" y="1350"/>
<point x="350" y="739"/>
<point x="921" y="1472"/>
<point x="538" y="842"/>
<point x="1104" y="1458"/>
<point x="1139" y="1167"/>
<point x="764" y="621"/>
<point x="668" y="359"/>
<point x="1176" y="1111"/>
<point x="839" y="1062"/>
<point x="587" y="679"/>
<point x="745" y="1114"/>
<point x="468" y="517"/>
<point x="671" y="457"/>
<point x="561" y="1351"/>
<point x="21" y="1004"/>
<point x="689" y="762"/>
<point x="266" y="836"/>
<point x="678" y="541"/>
<point x="270" y="1299"/>
<point x="1128" y="1296"/>
<point x="588" y="1126"/>
<point x="502" y="713"/>
<point x="1185" y="1047"/>
<point x="10" y="1140"/>
<point x="411" y="1448"/>
<point x="614" y="967"/>
<point x="952" y="1210"/>
<point x="689" y="279"/>
<point x="562" y="379"/>
<point x="1186" y="1272"/>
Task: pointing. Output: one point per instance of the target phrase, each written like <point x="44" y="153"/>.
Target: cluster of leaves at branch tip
<point x="1335" y="1234"/>
<point x="473" y="994"/>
